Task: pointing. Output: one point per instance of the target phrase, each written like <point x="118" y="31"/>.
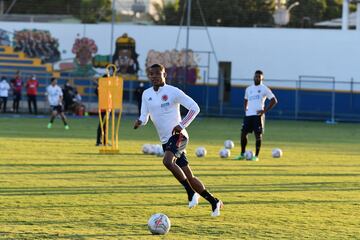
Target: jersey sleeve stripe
<point x="188" y="117"/>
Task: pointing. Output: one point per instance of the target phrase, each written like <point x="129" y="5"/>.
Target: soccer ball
<point x="228" y="144"/>
<point x="159" y="223"/>
<point x="276" y="153"/>
<point x="146" y="148"/>
<point x="158" y="150"/>
<point x="200" y="152"/>
<point x="248" y="155"/>
<point x="224" y="153"/>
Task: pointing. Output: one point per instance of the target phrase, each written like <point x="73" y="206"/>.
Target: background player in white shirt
<point x="162" y="103"/>
<point x="4" y="93"/>
<point x="55" y="97"/>
<point x="254" y="106"/>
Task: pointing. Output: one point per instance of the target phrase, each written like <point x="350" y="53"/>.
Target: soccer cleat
<point x="49" y="125"/>
<point x="67" y="127"/>
<point x="239" y="157"/>
<point x="194" y="201"/>
<point x="254" y="158"/>
<point x="216" y="212"/>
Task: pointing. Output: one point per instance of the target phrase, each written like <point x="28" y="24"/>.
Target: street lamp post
<point x="282" y="13"/>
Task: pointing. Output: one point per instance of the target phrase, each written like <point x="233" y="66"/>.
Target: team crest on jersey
<point x="259" y="91"/>
<point x="149" y="99"/>
<point x="164" y="98"/>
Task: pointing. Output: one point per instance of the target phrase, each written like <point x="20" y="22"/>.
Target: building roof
<point x="337" y="22"/>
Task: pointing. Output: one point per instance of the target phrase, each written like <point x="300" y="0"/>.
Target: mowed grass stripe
<point x="55" y="184"/>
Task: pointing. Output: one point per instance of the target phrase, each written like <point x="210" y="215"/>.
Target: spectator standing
<point x="31" y="90"/>
<point x="17" y="84"/>
<point x="100" y="139"/>
<point x="4" y="93"/>
<point x="138" y="94"/>
<point x="69" y="95"/>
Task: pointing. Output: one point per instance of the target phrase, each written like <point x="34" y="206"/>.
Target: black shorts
<point x="57" y="108"/>
<point x="177" y="144"/>
<point x="17" y="96"/>
<point x="254" y="124"/>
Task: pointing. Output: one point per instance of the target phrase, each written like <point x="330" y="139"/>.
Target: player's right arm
<point x="246" y="100"/>
<point x="47" y="94"/>
<point x="144" y="115"/>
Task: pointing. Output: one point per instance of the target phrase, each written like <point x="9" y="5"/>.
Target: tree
<point x="235" y="13"/>
<point x="93" y="11"/>
<point x="218" y="12"/>
<point x="312" y="11"/>
<point x="43" y="6"/>
<point x="88" y="11"/>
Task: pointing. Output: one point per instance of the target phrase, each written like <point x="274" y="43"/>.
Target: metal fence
<point x="309" y="97"/>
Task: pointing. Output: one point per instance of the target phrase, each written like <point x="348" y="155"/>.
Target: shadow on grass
<point x="171" y="204"/>
<point x="111" y="154"/>
<point x="171" y="189"/>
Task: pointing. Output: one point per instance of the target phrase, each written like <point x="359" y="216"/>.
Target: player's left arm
<point x="144" y="114"/>
<point x="60" y="97"/>
<point x="273" y="102"/>
<point x="193" y="110"/>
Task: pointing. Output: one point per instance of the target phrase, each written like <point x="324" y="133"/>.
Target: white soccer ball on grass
<point x="228" y="144"/>
<point x="146" y="148"/>
<point x="159" y="150"/>
<point x="159" y="224"/>
<point x="248" y="155"/>
<point x="200" y="152"/>
<point x="225" y="153"/>
<point x="276" y="153"/>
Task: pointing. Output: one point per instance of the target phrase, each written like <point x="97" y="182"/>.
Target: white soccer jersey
<point x="163" y="107"/>
<point x="54" y="93"/>
<point x="4" y="89"/>
<point x="256" y="96"/>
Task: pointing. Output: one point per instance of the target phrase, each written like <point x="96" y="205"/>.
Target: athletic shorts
<point x="57" y="108"/>
<point x="177" y="144"/>
<point x="254" y="124"/>
<point x="17" y="96"/>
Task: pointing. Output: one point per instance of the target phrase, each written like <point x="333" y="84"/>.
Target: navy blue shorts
<point x="17" y="96"/>
<point x="254" y="124"/>
<point x="57" y="108"/>
<point x="177" y="144"/>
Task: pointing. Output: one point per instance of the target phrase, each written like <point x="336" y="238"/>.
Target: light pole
<point x="188" y="24"/>
<point x="282" y="13"/>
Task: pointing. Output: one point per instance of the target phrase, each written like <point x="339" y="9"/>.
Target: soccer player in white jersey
<point x="55" y="97"/>
<point x="162" y="103"/>
<point x="254" y="107"/>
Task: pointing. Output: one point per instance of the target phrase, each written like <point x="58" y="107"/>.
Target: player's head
<point x="53" y="81"/>
<point x="258" y="77"/>
<point x="156" y="73"/>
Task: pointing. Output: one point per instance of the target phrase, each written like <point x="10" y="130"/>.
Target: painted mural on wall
<point x="37" y="43"/>
<point x="174" y="62"/>
<point x="125" y="57"/>
<point x="84" y="48"/>
<point x="4" y="38"/>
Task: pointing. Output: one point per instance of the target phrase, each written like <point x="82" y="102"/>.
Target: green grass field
<point x="55" y="185"/>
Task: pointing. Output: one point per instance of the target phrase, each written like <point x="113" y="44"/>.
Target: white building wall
<point x="280" y="53"/>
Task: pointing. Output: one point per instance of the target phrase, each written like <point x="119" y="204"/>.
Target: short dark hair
<point x="158" y="65"/>
<point x="259" y="72"/>
<point x="52" y="79"/>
